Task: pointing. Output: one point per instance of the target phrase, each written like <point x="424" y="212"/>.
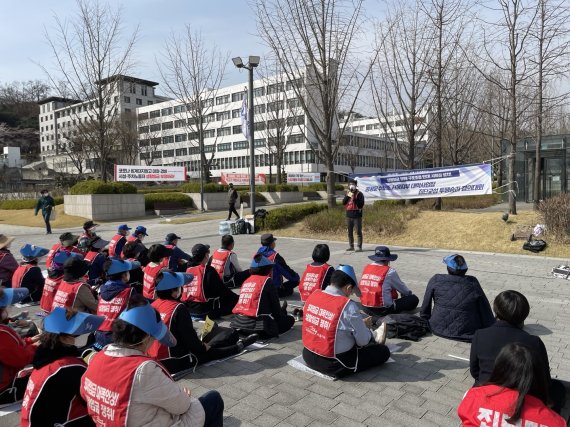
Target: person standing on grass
<point x="354" y="203"/>
<point x="45" y="204"/>
<point x="233" y="197"/>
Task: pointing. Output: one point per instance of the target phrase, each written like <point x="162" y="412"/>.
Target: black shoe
<point x="359" y="249"/>
<point x="249" y="340"/>
<point x="298" y="314"/>
<point x="351" y="248"/>
<point x="284" y="305"/>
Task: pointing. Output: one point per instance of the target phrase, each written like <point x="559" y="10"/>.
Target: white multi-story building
<point x="59" y="117"/>
<point x="168" y="134"/>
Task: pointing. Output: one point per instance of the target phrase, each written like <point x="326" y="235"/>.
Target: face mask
<point x="178" y="294"/>
<point x="352" y="187"/>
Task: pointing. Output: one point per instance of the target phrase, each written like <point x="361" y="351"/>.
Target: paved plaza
<point x="427" y="379"/>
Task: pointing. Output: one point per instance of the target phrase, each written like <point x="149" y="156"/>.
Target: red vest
<point x="39" y="377"/>
<point x="90" y="256"/>
<point x="321" y="315"/>
<point x="166" y="308"/>
<point x="250" y="296"/>
<point x="19" y="274"/>
<point x="66" y="294"/>
<point x="8" y="373"/>
<point x="351" y="205"/>
<point x="110" y="310"/>
<point x="132" y="238"/>
<point x="149" y="279"/>
<point x="108" y="396"/>
<point x="48" y="294"/>
<point x="51" y="254"/>
<point x="312" y="279"/>
<point x="219" y="261"/>
<point x="194" y="291"/>
<point x="370" y="285"/>
<point x="113" y="244"/>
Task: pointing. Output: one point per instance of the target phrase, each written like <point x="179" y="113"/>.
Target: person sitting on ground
<point x="380" y="285"/>
<point x="511" y="309"/>
<point x="96" y="258"/>
<point x="146" y="394"/>
<point x="516" y="393"/>
<point x="88" y="234"/>
<point x="137" y="237"/>
<point x="54" y="279"/>
<point x="137" y="274"/>
<point x="8" y="263"/>
<point x="281" y="270"/>
<point x="113" y="297"/>
<point x="337" y="340"/>
<point x="118" y="241"/>
<point x="52" y="395"/>
<point x="178" y="260"/>
<point x="74" y="292"/>
<point x="318" y="274"/>
<point x="158" y="260"/>
<point x="460" y="306"/>
<point x="15" y="352"/>
<point x="28" y="274"/>
<point x="67" y="243"/>
<point x="189" y="349"/>
<point x="258" y="309"/>
<point x="225" y="262"/>
<point x="206" y="294"/>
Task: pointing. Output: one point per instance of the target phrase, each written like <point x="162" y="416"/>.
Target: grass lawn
<point x="459" y="231"/>
<point x="26" y="217"/>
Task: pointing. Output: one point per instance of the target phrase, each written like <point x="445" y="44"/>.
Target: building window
<point x="180" y="137"/>
<point x="166" y="112"/>
<point x="143" y="129"/>
<point x="139" y="101"/>
<point x="224" y="115"/>
<point x="180" y="123"/>
<point x="132" y="88"/>
<point x="274" y="88"/>
<point x="226" y="146"/>
<point x="154" y="114"/>
<point x="127" y="99"/>
<point x="225" y="131"/>
<point x="210" y="118"/>
<point x="295" y="139"/>
<point x="259" y="142"/>
<point x="143" y="90"/>
<point x="167" y="139"/>
<point x="295" y="83"/>
<point x="296" y="120"/>
<point x="240" y="145"/>
<point x="208" y="102"/>
<point x="210" y="133"/>
<point x="182" y="151"/>
<point x="168" y="153"/>
<point x="209" y="148"/>
<point x="149" y="102"/>
<point x="236" y="129"/>
<point x="238" y="96"/>
<point x="236" y="114"/>
<point x="167" y="125"/>
<point x="293" y="103"/>
<point x="179" y="109"/>
<point x="275" y="106"/>
<point x="193" y="136"/>
<point x="143" y="116"/>
<point x="224" y="99"/>
<point x="155" y="127"/>
<point x="258" y="126"/>
<point x="259" y="109"/>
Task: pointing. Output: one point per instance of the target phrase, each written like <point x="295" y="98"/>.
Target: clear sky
<point x="228" y="23"/>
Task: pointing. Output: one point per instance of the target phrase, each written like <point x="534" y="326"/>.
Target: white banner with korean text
<point x="149" y="173"/>
<point x="467" y="180"/>
<point x="303" y="177"/>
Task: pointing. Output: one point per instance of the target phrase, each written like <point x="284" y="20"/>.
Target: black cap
<point x="267" y="239"/>
<point x="74" y="268"/>
<point x="199" y="251"/>
<point x="170" y="237"/>
<point x="68" y="239"/>
<point x="352" y="181"/>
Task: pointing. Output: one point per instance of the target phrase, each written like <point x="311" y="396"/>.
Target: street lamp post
<point x="253" y="62"/>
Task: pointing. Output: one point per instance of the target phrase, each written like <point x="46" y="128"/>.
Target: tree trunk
<point x="331" y="197"/>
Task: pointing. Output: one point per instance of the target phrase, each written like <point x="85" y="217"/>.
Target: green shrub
<point x="281" y="217"/>
<point x="461" y="202"/>
<point x="210" y="187"/>
<point x="25" y="203"/>
<point x="100" y="187"/>
<point x="148" y="190"/>
<point x="271" y="188"/>
<point x="244" y="194"/>
<point x="151" y="198"/>
<point x="322" y="186"/>
<point x="555" y="213"/>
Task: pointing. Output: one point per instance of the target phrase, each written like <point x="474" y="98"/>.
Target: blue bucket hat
<point x="120" y="266"/>
<point x="382" y="253"/>
<point x="140" y="230"/>
<point x="144" y="318"/>
<point x="349" y="271"/>
<point x="13" y="296"/>
<point x="81" y="323"/>
<point x="62" y="256"/>
<point x="172" y="280"/>
<point x="32" y="251"/>
<point x="451" y="262"/>
<point x="260" y="261"/>
<point x="123" y="227"/>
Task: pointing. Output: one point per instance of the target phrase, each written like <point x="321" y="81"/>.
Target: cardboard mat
<point x="10" y="408"/>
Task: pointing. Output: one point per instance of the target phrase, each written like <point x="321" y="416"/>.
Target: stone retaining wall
<point x="105" y="207"/>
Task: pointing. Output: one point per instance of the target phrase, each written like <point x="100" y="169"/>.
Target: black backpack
<point x="406" y="326"/>
<point x="243" y="227"/>
<point x="534" y="245"/>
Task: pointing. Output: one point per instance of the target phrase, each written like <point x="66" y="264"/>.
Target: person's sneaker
<point x="380" y="333"/>
<point x="249" y="340"/>
<point x="359" y="249"/>
<point x="351" y="248"/>
<point x="298" y="314"/>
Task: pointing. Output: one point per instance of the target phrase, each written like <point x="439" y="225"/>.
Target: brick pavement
<point x="423" y="386"/>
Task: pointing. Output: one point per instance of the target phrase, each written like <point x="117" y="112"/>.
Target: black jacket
<point x="487" y="343"/>
<point x="33" y="280"/>
<point x="359" y="204"/>
<point x="460" y="307"/>
<point x="216" y="292"/>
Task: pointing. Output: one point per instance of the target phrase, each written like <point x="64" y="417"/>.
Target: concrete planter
<point x="283" y="197"/>
<point x="105" y="207"/>
<point x="212" y="201"/>
<point x="323" y="194"/>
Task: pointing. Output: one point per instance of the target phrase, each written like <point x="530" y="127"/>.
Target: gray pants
<point x="351" y="223"/>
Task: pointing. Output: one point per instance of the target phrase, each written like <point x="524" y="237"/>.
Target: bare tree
<point x="315" y="43"/>
<point x="90" y="59"/>
<point x="125" y="133"/>
<point x="150" y="132"/>
<point x="193" y="71"/>
<point x="401" y="88"/>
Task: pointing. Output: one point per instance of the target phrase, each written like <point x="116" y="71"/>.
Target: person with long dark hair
<point x="511" y="309"/>
<point x="516" y="393"/>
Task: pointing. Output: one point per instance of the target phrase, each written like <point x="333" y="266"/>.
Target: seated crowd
<point x="137" y="306"/>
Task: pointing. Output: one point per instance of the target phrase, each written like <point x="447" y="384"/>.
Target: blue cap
<point x="172" y="280"/>
<point x="260" y="261"/>
<point x="349" y="271"/>
<point x="62" y="256"/>
<point x="13" y="296"/>
<point x="144" y="318"/>
<point x="81" y="323"/>
<point x="140" y="229"/>
<point x="123" y="227"/>
<point x="33" y="251"/>
<point x="120" y="266"/>
<point x="451" y="262"/>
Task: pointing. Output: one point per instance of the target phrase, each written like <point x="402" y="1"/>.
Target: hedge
<point x="210" y="187"/>
<point x="148" y="190"/>
<point x="555" y="213"/>
<point x="244" y="194"/>
<point x="272" y="188"/>
<point x="26" y="203"/>
<point x="322" y="186"/>
<point x="151" y="198"/>
<point x="281" y="217"/>
<point x="100" y="187"/>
